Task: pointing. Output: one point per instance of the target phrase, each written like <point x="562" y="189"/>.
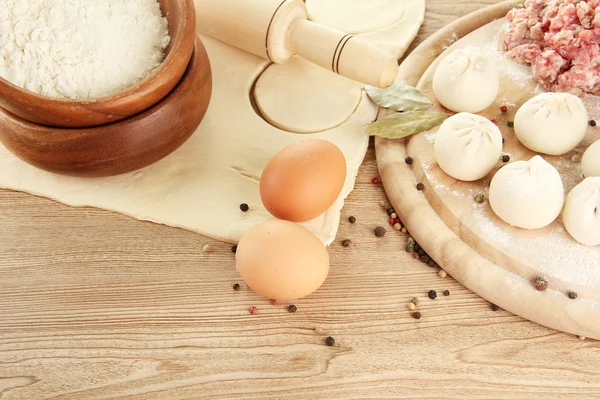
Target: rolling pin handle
<point x="342" y="53"/>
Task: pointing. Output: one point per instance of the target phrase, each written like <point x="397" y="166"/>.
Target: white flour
<point x="80" y="48"/>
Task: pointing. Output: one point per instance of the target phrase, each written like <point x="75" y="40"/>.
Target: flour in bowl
<point x="80" y="49"/>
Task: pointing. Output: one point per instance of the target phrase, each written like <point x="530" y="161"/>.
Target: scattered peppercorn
<point x="432" y="294"/>
<point x="408" y="160"/>
<point x="417" y="247"/>
<point x="375" y="181"/>
<point x="582" y="338"/>
<point x="244" y="207"/>
<point x="592" y="122"/>
<point x="416" y="315"/>
<point x="390" y="211"/>
<point x="420" y="186"/>
<point x="397" y="226"/>
<point x="206" y="248"/>
<point x="415" y="301"/>
<point x="404" y="230"/>
<point x="410" y="245"/>
<point x="273" y="302"/>
<point x="504" y="109"/>
<point x="380" y="231"/>
<point x="540" y="283"/>
<point x="411" y="306"/>
<point x="495" y="307"/>
<point x="479" y="199"/>
<point x="329" y="341"/>
<point x="425" y="259"/>
<point x="393" y="215"/>
<point x="446" y="293"/>
<point x="292" y="308"/>
<point x="391" y="222"/>
<point x="234" y="248"/>
<point x="432" y="264"/>
<point x="505" y="158"/>
<point x="503" y="140"/>
<point x="510" y="124"/>
<point x="346" y="243"/>
<point x="442" y="274"/>
<point x="253" y="310"/>
<point x="572" y="295"/>
<point x="236" y="286"/>
<point x="352" y="220"/>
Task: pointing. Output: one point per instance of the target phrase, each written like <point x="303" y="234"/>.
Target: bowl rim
<point x="187" y="27"/>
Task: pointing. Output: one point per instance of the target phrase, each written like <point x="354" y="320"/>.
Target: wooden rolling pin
<point x="276" y="30"/>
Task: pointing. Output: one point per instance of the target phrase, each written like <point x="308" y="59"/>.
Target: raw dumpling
<point x="582" y="212"/>
<point x="468" y="146"/>
<point x="527" y="194"/>
<point x="466" y="81"/>
<point x="590" y="163"/>
<point x="551" y="123"/>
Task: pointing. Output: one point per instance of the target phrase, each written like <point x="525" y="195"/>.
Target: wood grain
<point x="123" y="146"/>
<point x="96" y="305"/>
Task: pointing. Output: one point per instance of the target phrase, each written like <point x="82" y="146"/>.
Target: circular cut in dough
<point x="551" y="123"/>
<point x="527" y="194"/>
<point x="466" y="80"/>
<point x="356" y="16"/>
<point x="582" y="212"/>
<point x="468" y="146"/>
<point x="301" y="97"/>
<point x="590" y="163"/>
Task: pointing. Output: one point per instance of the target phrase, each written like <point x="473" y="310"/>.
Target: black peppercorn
<point x="417" y="247"/>
<point x="592" y="123"/>
<point x="352" y="220"/>
<point x="390" y="211"/>
<point x="416" y="315"/>
<point x="244" y="207"/>
<point x="510" y="124"/>
<point x="540" y="284"/>
<point x="329" y="341"/>
<point x="495" y="307"/>
<point x="446" y="293"/>
<point x="421" y="253"/>
<point x="346" y="243"/>
<point x="380" y="231"/>
<point x="292" y="308"/>
<point x="425" y="259"/>
<point x="408" y="160"/>
<point x="505" y="158"/>
<point x="572" y="295"/>
<point x="236" y="286"/>
<point x="420" y="186"/>
<point x="234" y="248"/>
<point x="432" y="264"/>
<point x="432" y="294"/>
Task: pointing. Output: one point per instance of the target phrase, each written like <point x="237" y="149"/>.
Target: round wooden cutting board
<point x="493" y="259"/>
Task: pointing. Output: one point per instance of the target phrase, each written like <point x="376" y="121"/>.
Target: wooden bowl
<point x="68" y="113"/>
<point x="122" y="146"/>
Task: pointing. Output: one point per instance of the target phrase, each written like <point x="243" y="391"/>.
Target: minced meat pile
<point x="560" y="40"/>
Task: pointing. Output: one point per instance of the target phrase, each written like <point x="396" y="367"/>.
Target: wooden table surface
<point x="95" y="305"/>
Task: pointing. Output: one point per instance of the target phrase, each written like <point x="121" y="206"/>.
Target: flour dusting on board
<point x="551" y="251"/>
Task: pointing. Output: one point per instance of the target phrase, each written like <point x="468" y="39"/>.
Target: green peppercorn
<point x="510" y="124"/>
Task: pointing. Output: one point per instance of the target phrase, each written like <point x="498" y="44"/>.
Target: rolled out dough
<point x="389" y="24"/>
<point x="201" y="185"/>
<point x="299" y="96"/>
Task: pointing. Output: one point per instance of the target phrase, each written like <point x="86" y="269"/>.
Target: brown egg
<point x="282" y="260"/>
<point x="303" y="180"/>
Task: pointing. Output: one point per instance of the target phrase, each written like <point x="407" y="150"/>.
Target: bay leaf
<point x="401" y="125"/>
<point x="399" y="97"/>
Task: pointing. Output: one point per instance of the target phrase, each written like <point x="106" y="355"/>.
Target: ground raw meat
<point x="560" y="39"/>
